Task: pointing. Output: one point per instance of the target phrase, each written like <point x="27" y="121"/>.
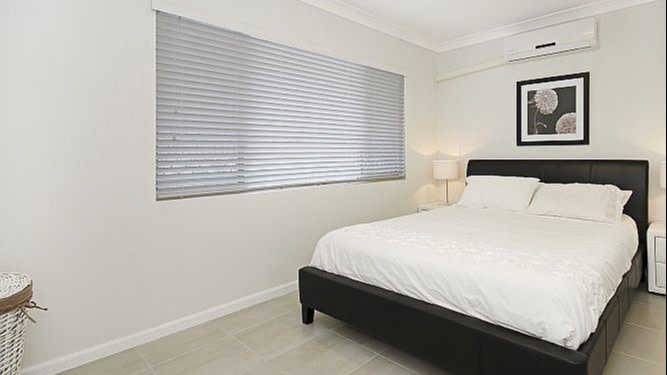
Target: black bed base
<point x="469" y="346"/>
<point x="456" y="342"/>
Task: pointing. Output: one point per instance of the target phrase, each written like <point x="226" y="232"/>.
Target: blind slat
<point x="260" y="124"/>
<point x="268" y="130"/>
<point x="203" y="115"/>
<point x="236" y="114"/>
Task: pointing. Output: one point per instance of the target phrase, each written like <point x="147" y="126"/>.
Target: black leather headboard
<point x="626" y="174"/>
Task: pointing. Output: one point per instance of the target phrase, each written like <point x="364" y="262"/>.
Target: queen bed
<point x="487" y="291"/>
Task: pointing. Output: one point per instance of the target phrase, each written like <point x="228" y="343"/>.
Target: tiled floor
<point x="269" y="339"/>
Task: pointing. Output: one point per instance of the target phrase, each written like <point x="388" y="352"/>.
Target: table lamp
<point x="446" y="170"/>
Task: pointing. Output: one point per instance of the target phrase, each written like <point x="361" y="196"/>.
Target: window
<point x="236" y="114"/>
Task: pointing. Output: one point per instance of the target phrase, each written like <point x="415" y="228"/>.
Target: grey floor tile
<point x="279" y="335"/>
<point x="621" y="364"/>
<point x="289" y="301"/>
<point x="128" y="362"/>
<point x="220" y="358"/>
<point x="257" y="367"/>
<point x="360" y="337"/>
<point x="646" y="315"/>
<point x="325" y="321"/>
<point x="642" y="343"/>
<point x="382" y="366"/>
<point x="413" y="363"/>
<point x="180" y="343"/>
<point x="255" y="315"/>
<point x="650" y="298"/>
<point x="327" y="354"/>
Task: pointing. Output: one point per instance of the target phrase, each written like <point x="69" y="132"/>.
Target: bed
<point x="566" y="307"/>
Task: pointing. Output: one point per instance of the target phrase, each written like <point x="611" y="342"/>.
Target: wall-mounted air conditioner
<point x="552" y="40"/>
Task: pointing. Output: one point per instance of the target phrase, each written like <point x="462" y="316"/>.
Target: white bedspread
<point x="547" y="277"/>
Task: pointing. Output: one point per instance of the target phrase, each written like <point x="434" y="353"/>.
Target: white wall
<point x="477" y="113"/>
<point x="77" y="200"/>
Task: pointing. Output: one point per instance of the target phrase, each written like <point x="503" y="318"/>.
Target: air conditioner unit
<point x="571" y="36"/>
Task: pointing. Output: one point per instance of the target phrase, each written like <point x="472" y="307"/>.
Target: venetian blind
<point x="236" y="113"/>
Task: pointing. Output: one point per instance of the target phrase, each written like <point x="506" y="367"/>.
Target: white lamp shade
<point x="662" y="175"/>
<point x="445" y="169"/>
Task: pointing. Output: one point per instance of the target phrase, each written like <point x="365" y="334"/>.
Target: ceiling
<point x="442" y="25"/>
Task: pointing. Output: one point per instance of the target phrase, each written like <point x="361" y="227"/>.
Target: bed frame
<point x="465" y="345"/>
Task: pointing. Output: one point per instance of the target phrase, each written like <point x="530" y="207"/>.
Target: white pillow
<point x="580" y="201"/>
<point x="499" y="192"/>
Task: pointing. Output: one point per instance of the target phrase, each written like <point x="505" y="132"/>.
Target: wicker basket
<point x="15" y="295"/>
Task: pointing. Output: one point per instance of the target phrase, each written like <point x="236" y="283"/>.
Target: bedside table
<point x="656" y="257"/>
<point x="430" y="206"/>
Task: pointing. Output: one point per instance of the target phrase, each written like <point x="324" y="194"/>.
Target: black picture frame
<point x="577" y="92"/>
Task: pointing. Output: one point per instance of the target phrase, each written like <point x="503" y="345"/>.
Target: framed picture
<point x="553" y="111"/>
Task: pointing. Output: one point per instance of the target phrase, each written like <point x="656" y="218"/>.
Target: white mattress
<point x="547" y="277"/>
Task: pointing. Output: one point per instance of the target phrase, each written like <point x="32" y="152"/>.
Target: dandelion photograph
<point x="553" y="111"/>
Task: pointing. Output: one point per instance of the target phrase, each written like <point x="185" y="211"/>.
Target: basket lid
<point x="15" y="290"/>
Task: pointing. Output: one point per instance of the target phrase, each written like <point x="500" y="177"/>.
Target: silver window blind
<point x="237" y="113"/>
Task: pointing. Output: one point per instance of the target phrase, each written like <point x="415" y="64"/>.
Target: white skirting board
<point x="118" y="345"/>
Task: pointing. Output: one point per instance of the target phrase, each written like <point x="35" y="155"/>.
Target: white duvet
<point x="547" y="277"/>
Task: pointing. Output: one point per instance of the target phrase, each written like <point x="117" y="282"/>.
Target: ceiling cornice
<point x="374" y="22"/>
<point x="365" y="18"/>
